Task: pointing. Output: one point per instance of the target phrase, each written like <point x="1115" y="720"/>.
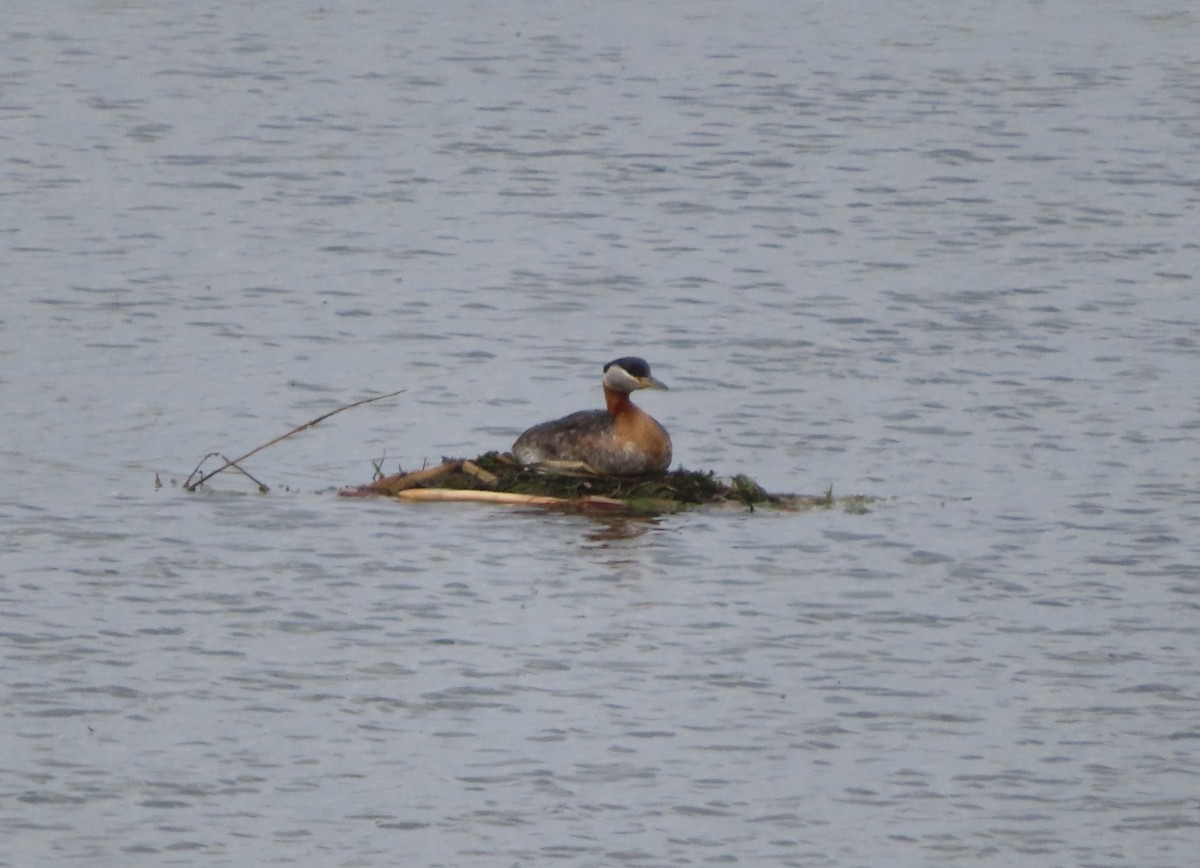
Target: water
<point x="947" y="258"/>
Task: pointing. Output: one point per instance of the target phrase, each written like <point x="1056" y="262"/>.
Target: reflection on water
<point x="609" y="530"/>
<point x="945" y="258"/>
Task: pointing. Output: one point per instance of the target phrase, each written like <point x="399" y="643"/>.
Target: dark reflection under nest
<point x="612" y="529"/>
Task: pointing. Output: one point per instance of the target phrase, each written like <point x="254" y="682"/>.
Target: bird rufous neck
<point x="616" y="401"/>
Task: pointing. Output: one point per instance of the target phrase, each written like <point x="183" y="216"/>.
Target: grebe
<point x="618" y="441"/>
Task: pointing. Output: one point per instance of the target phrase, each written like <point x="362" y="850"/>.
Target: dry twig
<point x="192" y="486"/>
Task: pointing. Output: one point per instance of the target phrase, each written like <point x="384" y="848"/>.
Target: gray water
<point x="941" y="253"/>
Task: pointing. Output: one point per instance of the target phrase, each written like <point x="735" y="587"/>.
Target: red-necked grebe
<point x="618" y="441"/>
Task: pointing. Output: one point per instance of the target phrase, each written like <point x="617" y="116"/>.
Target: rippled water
<point x="944" y="256"/>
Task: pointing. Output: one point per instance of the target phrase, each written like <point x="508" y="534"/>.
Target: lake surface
<point x="944" y="255"/>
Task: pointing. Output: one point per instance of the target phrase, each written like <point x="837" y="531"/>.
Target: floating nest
<point x="497" y="478"/>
